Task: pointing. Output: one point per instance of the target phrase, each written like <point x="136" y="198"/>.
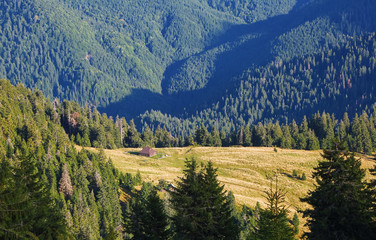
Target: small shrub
<point x="294" y="173"/>
<point x="304" y="177"/>
<point x="162" y="184"/>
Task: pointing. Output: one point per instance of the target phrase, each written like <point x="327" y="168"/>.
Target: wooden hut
<point x="147" y="152"/>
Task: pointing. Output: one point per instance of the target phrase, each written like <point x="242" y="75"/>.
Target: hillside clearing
<point x="242" y="170"/>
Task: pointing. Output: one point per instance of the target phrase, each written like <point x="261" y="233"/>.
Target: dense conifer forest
<point x="110" y="74"/>
<point x="221" y="63"/>
<point x="50" y="190"/>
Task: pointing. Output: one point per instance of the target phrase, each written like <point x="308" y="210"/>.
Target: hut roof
<point x="148" y="151"/>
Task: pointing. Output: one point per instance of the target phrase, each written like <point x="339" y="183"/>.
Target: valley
<point x="230" y="93"/>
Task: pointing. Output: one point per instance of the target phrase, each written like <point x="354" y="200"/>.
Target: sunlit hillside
<point x="244" y="171"/>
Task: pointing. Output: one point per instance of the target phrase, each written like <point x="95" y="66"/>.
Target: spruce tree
<point x="157" y="224"/>
<point x="202" y="211"/>
<point x="134" y="219"/>
<point x="202" y="136"/>
<point x="340" y="203"/>
<point x="133" y="138"/>
<point x="273" y="223"/>
<point x="247" y="136"/>
<point x="220" y="224"/>
<point x="215" y="138"/>
<point x="296" y="222"/>
<point x="147" y="137"/>
<point x="26" y="208"/>
<point x="258" y="135"/>
<point x="185" y="200"/>
<point x="147" y="218"/>
<point x="286" y="141"/>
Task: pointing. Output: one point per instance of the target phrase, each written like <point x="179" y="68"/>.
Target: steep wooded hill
<point x="178" y="57"/>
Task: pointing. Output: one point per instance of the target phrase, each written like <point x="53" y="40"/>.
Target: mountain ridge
<point x="175" y="57"/>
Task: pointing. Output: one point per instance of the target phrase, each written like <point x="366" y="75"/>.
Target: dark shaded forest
<point x="221" y="63"/>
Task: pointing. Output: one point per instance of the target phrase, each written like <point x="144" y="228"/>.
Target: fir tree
<point x="273" y="223"/>
<point x="247" y="136"/>
<point x="215" y="139"/>
<point x="286" y="141"/>
<point x="295" y="223"/>
<point x="202" y="211"/>
<point x="340" y="203"/>
<point x="220" y="222"/>
<point x="147" y="137"/>
<point x="202" y="136"/>
<point x="147" y="218"/>
<point x="258" y="135"/>
<point x="185" y="200"/>
<point x="157" y="225"/>
<point x="133" y="138"/>
<point x="27" y="210"/>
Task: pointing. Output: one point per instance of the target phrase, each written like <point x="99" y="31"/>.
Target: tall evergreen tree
<point x="202" y="211"/>
<point x="340" y="203"/>
<point x="286" y="141"/>
<point x="27" y="210"/>
<point x="147" y="137"/>
<point x="157" y="224"/>
<point x="133" y="138"/>
<point x="202" y="136"/>
<point x="185" y="200"/>
<point x="220" y="222"/>
<point x="273" y="223"/>
<point x="295" y="223"/>
<point x="215" y="139"/>
<point x="258" y="135"/>
<point x="247" y="136"/>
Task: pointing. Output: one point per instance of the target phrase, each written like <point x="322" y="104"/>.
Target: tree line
<point x="337" y="79"/>
<point x="50" y="190"/>
<point x="87" y="127"/>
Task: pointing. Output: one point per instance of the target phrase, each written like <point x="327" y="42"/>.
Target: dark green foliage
<point x="215" y="139"/>
<point x="251" y="11"/>
<point x="133" y="138"/>
<point x="372" y="188"/>
<point x="304" y="177"/>
<point x="202" y="136"/>
<point x="178" y="58"/>
<point x="273" y="223"/>
<point x="295" y="223"/>
<point x="287" y="89"/>
<point x="102" y="131"/>
<point x="201" y="209"/>
<point x="341" y="204"/>
<point x="147" y="137"/>
<point x="247" y="221"/>
<point x="147" y="218"/>
<point x="40" y="161"/>
<point x="22" y="190"/>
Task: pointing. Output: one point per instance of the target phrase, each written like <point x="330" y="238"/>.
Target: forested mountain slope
<point x="48" y="189"/>
<point x="336" y="81"/>
<point x="182" y="58"/>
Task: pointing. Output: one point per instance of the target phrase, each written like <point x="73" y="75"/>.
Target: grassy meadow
<point x="244" y="171"/>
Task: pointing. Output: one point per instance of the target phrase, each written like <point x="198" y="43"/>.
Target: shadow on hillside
<point x="228" y="64"/>
<point x="134" y="153"/>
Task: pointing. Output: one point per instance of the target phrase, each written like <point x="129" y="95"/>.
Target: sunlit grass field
<point x="244" y="171"/>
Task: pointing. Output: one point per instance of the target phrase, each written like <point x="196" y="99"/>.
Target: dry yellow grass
<point x="242" y="170"/>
